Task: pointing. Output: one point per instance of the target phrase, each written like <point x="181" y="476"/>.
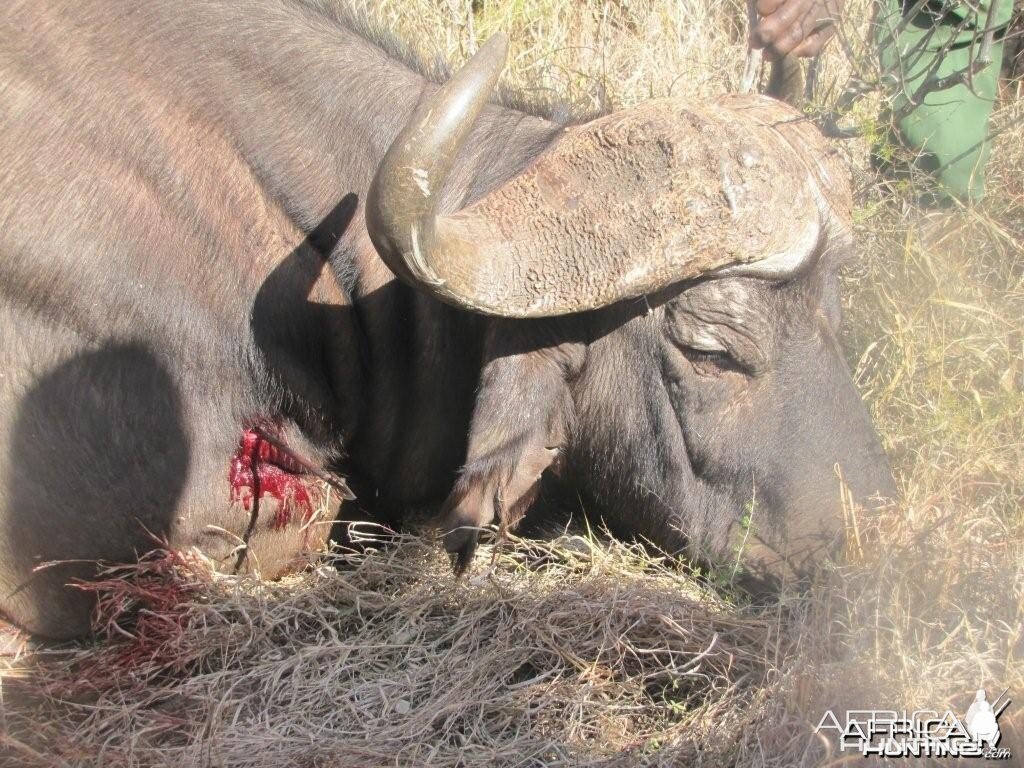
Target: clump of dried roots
<point x="550" y="655"/>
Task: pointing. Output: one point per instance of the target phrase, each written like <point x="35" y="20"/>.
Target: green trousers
<point x="947" y="132"/>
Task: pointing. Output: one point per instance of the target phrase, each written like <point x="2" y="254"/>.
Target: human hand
<point x="794" y="27"/>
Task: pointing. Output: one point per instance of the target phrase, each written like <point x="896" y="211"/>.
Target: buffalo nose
<point x="871" y="480"/>
<point x="814" y="523"/>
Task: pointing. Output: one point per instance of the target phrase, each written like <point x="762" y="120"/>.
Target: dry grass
<point x="573" y="653"/>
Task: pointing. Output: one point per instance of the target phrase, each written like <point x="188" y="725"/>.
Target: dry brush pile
<point x="578" y="652"/>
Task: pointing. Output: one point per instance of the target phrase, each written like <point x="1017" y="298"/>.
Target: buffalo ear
<point x="519" y="427"/>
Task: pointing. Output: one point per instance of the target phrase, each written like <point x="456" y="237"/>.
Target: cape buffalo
<point x="204" y="207"/>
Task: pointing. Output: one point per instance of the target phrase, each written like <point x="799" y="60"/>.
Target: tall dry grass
<point x="597" y="654"/>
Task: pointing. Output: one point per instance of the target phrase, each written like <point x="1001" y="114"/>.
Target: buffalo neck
<point x="313" y="106"/>
<point x="309" y="105"/>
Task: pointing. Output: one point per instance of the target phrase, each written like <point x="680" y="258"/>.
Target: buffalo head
<point x="664" y="283"/>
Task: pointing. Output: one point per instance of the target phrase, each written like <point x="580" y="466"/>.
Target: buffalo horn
<point x="616" y="208"/>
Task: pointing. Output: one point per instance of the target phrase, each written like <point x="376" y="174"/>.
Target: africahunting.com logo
<point x="922" y="733"/>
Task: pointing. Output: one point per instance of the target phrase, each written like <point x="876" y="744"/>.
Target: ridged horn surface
<point x="632" y="202"/>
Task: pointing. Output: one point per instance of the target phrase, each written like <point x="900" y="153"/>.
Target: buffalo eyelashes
<point x="712" y="362"/>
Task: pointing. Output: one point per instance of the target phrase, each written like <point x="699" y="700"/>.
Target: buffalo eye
<point x="712" y="362"/>
<point x="709" y="345"/>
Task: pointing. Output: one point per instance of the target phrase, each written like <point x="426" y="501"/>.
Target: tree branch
<point x="963" y="76"/>
<point x="857" y="85"/>
<point x="754" y="55"/>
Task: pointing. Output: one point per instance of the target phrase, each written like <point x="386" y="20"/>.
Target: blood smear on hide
<point x="259" y="469"/>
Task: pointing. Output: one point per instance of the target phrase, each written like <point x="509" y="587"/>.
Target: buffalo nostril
<point x="876" y="485"/>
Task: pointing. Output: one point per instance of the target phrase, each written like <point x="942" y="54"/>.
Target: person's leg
<point x="948" y="130"/>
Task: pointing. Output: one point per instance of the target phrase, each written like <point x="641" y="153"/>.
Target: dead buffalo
<point x="204" y="207"/>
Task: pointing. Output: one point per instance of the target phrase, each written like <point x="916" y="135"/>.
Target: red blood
<point x="259" y="468"/>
